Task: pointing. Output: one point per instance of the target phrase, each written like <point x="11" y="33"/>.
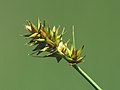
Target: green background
<point x="97" y="26"/>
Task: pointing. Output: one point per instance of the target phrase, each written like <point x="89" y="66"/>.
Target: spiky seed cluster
<point x="47" y="39"/>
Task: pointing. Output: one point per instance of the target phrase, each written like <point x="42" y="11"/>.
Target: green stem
<point x="86" y="77"/>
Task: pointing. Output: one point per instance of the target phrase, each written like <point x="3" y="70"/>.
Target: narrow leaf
<point x="73" y="38"/>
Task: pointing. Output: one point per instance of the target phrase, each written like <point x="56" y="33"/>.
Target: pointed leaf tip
<point x="83" y="47"/>
<point x="39" y="24"/>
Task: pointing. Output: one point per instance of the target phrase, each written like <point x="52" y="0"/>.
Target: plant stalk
<point x="86" y="77"/>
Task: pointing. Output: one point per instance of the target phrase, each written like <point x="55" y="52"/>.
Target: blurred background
<point x="97" y="26"/>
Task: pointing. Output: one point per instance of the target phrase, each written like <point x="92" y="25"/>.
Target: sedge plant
<point x="47" y="39"/>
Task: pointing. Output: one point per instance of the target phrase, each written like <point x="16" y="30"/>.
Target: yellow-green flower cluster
<point x="47" y="39"/>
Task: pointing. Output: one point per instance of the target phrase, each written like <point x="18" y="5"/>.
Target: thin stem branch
<point x="86" y="77"/>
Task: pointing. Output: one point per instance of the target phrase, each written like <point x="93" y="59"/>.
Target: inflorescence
<point x="47" y="39"/>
